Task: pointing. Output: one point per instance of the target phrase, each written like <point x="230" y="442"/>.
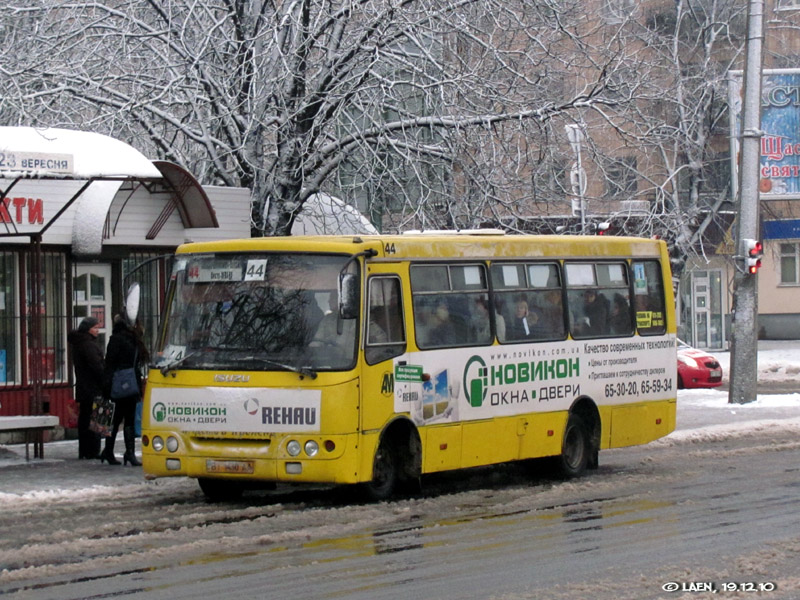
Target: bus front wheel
<point x="385" y="474"/>
<point x="575" y="451"/>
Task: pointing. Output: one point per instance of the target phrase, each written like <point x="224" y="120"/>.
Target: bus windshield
<point x="257" y="312"/>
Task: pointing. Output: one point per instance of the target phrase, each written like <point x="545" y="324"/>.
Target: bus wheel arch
<point x="397" y="464"/>
<point x="581" y="442"/>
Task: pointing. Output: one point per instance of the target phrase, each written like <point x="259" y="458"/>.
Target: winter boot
<point x="92" y="446"/>
<point x="88" y="444"/>
<point x="130" y="447"/>
<point x="108" y="452"/>
<point x="82" y="452"/>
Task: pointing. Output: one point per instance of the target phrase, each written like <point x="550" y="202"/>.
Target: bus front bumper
<point x="335" y="462"/>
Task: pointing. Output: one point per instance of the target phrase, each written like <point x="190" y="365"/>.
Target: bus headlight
<point x="311" y="448"/>
<point x="172" y="444"/>
<point x="293" y="448"/>
<point x="158" y="443"/>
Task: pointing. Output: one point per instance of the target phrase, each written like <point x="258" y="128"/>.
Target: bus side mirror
<point x="132" y="303"/>
<point x="348" y="296"/>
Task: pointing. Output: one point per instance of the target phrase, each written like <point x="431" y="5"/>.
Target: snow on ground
<point x="778" y="361"/>
<point x="707" y="413"/>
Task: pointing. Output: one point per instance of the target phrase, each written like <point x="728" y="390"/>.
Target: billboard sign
<point x="779" y="170"/>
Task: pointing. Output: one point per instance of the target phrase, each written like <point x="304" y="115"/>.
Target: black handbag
<point x="125" y="382"/>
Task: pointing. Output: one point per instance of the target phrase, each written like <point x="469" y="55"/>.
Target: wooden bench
<point x="33" y="427"/>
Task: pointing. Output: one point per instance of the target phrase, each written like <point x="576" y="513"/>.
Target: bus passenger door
<point x="384" y="340"/>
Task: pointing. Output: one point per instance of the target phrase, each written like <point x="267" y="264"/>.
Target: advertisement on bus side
<point x="481" y="383"/>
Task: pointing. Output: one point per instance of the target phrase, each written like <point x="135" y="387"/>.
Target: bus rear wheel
<point x="220" y="490"/>
<point x="575" y="451"/>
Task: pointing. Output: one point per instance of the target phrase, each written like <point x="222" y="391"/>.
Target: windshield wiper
<point x="302" y="370"/>
<point x="174" y="364"/>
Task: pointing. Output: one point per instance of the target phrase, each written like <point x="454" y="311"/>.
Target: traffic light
<point x="603" y="228"/>
<point x="752" y="251"/>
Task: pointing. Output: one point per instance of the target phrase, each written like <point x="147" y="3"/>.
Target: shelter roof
<point x="28" y="153"/>
<point x="64" y="153"/>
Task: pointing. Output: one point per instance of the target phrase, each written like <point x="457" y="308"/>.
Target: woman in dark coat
<point x="125" y="350"/>
<point x="87" y="360"/>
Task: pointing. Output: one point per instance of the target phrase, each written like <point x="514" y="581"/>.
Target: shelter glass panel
<point x="52" y="309"/>
<point x="9" y="319"/>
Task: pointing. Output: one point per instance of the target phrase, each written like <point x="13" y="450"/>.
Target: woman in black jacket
<point x="87" y="360"/>
<point x="125" y="350"/>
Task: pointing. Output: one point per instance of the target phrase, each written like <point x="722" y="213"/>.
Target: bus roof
<point x="442" y="245"/>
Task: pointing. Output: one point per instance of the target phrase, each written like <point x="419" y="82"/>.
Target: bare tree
<point x="673" y="124"/>
<point x="424" y="113"/>
<point x="705" y="42"/>
<point x="442" y="106"/>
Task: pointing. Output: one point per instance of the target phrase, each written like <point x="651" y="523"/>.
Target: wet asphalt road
<point x="713" y="510"/>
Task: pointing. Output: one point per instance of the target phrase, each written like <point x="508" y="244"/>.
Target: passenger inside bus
<point x="376" y="332"/>
<point x="333" y="343"/>
<point x="620" y="318"/>
<point x="519" y="328"/>
<point x="328" y="329"/>
<point x="313" y="313"/>
<point x="527" y="323"/>
<point x="592" y="318"/>
<point x="481" y="327"/>
<point x="552" y="314"/>
<point x="438" y="330"/>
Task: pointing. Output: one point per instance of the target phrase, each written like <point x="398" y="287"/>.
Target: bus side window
<point x="385" y="333"/>
<point x="527" y="301"/>
<point x="598" y="295"/>
<point x="450" y="304"/>
<point x="648" y="298"/>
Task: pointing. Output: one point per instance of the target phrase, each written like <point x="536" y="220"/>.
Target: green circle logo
<point x="476" y="381"/>
<point x="159" y="412"/>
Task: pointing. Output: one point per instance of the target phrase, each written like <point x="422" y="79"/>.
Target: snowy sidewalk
<point x="778" y="370"/>
<point x="62" y="470"/>
<point x="13" y="455"/>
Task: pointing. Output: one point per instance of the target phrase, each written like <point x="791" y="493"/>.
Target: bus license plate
<point x="230" y="466"/>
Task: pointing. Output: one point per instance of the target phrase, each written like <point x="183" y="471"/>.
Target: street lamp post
<point x="577" y="175"/>
<point x="744" y="369"/>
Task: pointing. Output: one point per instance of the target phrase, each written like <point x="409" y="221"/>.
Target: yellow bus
<point x="375" y="360"/>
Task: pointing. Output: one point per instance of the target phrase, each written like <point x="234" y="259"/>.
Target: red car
<point x="696" y="368"/>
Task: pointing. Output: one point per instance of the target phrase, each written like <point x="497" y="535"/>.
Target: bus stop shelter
<point x="97" y="169"/>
